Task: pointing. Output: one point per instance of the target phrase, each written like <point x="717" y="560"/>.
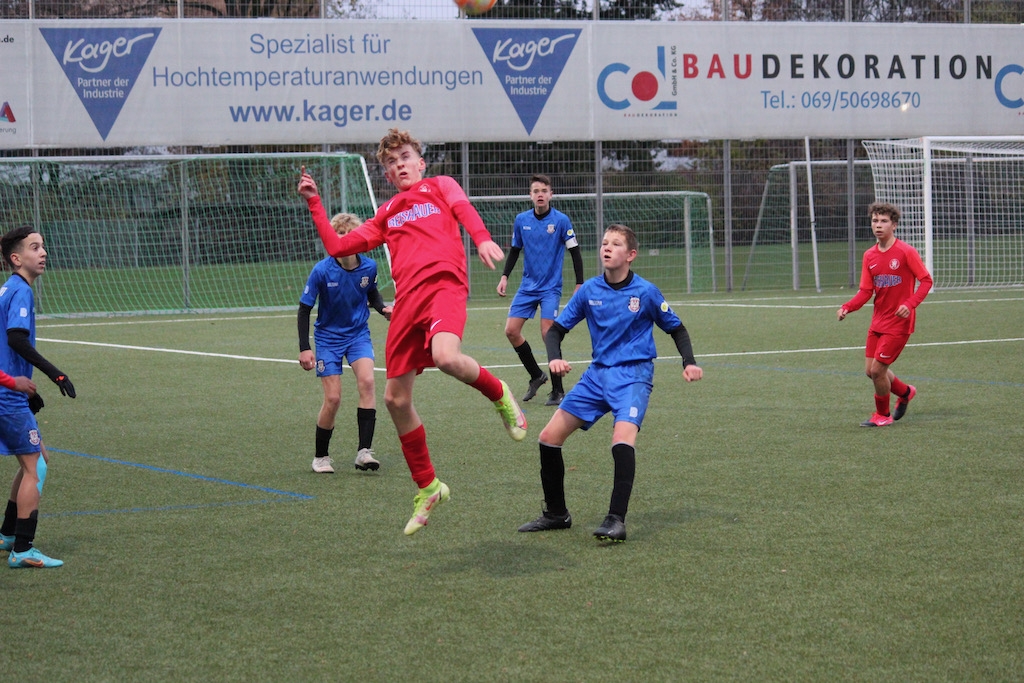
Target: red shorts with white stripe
<point x="416" y="320"/>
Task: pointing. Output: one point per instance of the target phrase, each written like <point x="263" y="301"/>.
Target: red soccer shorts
<point x="416" y="320"/>
<point x="885" y="348"/>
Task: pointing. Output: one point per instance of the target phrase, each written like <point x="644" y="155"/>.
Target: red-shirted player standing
<point x="420" y="226"/>
<point x="890" y="271"/>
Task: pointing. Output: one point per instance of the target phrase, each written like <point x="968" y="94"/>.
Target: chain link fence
<point x="757" y="189"/>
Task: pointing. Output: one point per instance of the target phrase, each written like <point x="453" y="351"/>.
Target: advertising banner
<point x="233" y="82"/>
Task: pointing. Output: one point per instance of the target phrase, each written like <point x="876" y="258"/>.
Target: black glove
<point x="35" y="403"/>
<point x="66" y="387"/>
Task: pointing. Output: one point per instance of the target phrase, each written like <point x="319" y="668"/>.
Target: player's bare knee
<point x="447" y="363"/>
<point x="397" y="404"/>
<point x="366" y="388"/>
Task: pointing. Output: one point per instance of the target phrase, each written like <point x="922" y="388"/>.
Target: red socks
<point x="417" y="457"/>
<point x="899" y="387"/>
<point x="488" y="385"/>
<point x="882" y="404"/>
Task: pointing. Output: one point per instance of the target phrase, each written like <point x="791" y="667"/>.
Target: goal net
<point x="175" y="233"/>
<point x="962" y="204"/>
<point x="674" y="229"/>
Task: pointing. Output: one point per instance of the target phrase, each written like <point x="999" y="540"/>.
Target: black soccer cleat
<point x="613" y="529"/>
<point x="549" y="521"/>
<point x="535" y="384"/>
<point x="903" y="402"/>
<point x="555" y="398"/>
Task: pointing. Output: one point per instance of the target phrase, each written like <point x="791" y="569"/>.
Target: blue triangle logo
<point x="102" y="65"/>
<point x="528" y="62"/>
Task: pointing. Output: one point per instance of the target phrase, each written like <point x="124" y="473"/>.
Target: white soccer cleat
<point x="323" y="465"/>
<point x="366" y="461"/>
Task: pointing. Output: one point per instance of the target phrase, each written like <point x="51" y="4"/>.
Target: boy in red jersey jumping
<point x="889" y="271"/>
<point x="420" y="226"/>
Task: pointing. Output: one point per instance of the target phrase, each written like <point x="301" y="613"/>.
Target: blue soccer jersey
<point x="343" y="311"/>
<point x="17" y="306"/>
<point x="621" y="321"/>
<point x="543" y="241"/>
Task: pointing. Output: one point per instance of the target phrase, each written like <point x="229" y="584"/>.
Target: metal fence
<point x="736" y="175"/>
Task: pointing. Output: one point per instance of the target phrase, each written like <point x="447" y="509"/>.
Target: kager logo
<point x="644" y="86"/>
<point x="101" y="64"/>
<point x="528" y="63"/>
<point x="6" y="113"/>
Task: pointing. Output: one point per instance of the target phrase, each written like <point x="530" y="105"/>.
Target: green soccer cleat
<point x="31" y="558"/>
<point x="424" y="504"/>
<point x="511" y="414"/>
<point x="6" y="542"/>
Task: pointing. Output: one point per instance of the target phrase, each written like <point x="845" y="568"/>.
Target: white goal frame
<point x="962" y="204"/>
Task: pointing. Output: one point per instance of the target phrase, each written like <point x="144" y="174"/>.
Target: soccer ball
<point x="475" y="7"/>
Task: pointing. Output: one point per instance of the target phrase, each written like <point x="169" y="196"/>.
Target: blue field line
<point x="163" y="470"/>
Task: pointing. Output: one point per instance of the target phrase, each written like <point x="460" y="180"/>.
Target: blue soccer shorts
<point x="622" y="390"/>
<point x="330" y="358"/>
<point x="524" y="304"/>
<point x="19" y="434"/>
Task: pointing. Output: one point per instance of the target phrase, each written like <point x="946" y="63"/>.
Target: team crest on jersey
<point x="664" y="307"/>
<point x="894" y="264"/>
<point x="634" y="304"/>
<point x="551" y="228"/>
<point x="364" y="282"/>
<point x="33" y="437"/>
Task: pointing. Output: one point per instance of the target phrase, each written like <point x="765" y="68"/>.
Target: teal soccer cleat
<point x="31" y="558"/>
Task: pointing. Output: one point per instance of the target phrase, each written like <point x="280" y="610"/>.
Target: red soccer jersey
<point x="420" y="227"/>
<point x="891" y="276"/>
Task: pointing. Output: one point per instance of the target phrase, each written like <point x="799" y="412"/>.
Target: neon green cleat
<point x="424" y="504"/>
<point x="511" y="414"/>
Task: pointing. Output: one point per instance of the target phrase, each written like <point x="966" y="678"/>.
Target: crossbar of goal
<point x="674" y="228"/>
<point x="961" y="199"/>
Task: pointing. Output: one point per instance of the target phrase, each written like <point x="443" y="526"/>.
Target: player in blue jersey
<point x="345" y="287"/>
<point x="621" y="310"/>
<point x="542" y="233"/>
<point x="23" y="252"/>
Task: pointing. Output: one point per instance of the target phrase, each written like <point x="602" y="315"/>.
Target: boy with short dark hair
<point x="542" y="234"/>
<point x="889" y="271"/>
<point x="23" y="252"/>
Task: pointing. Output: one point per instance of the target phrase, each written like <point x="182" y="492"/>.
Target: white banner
<point x="220" y="82"/>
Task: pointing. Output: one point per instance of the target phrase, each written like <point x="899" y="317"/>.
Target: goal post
<point x="800" y="222"/>
<point x="674" y="229"/>
<point x="168" y="233"/>
<point x="962" y="204"/>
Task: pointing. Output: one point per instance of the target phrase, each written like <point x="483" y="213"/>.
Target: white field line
<point x="765" y="302"/>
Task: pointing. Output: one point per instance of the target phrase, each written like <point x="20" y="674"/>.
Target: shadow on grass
<point x="508" y="559"/>
<point x="650" y="523"/>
